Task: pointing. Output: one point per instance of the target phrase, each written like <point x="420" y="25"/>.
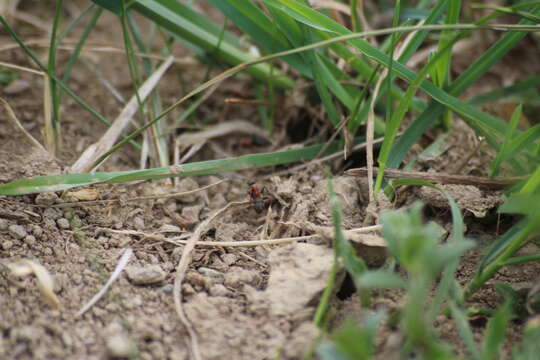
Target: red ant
<point x="256" y="195"/>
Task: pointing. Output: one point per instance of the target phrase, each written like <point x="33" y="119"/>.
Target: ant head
<point x="251" y="182"/>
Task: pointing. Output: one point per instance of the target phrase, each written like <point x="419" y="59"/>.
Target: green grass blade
<point x="419" y="37"/>
<point x="503" y="152"/>
<point x="532" y="183"/>
<point x="496" y="329"/>
<point x="322" y="308"/>
<point x="253" y="161"/>
<point x="161" y="141"/>
<point x="51" y="71"/>
<point x="326" y="99"/>
<point x="381" y="279"/>
<point x="78" y="47"/>
<point x="499" y="246"/>
<point x="395" y="122"/>
<point x="512" y="11"/>
<point x="345" y="252"/>
<point x="491" y="96"/>
<point x="273" y="35"/>
<point x="503" y="250"/>
<point x="464" y="329"/>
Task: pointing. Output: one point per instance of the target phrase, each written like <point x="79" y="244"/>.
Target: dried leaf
<point x="45" y="281"/>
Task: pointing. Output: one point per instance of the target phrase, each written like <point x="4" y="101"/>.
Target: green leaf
<point x="352" y="341"/>
<point x="464" y="328"/>
<point x="495" y="332"/>
<point x="380" y="279"/>
<point x="503" y="152"/>
<point x="345" y="252"/>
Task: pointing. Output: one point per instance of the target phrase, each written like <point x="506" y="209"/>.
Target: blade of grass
<point x="253" y="161"/>
<point x="464" y="328"/>
<point x="267" y="33"/>
<point x="496" y="329"/>
<point x="53" y="143"/>
<point x="344" y="251"/>
<point x="505" y="92"/>
<point x="511" y="10"/>
<point x="503" y="250"/>
<point x="322" y="308"/>
<point x="78" y="47"/>
<point x="160" y="141"/>
<point x="503" y="152"/>
<point x="394" y="123"/>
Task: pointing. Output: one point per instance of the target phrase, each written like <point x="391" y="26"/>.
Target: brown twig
<point x="181" y="272"/>
<point x="499" y="183"/>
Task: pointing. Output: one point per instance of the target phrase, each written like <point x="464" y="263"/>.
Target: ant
<point x="256" y="195"/>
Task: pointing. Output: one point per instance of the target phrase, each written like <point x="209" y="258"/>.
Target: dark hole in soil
<point x="301" y="128"/>
<point x="347" y="288"/>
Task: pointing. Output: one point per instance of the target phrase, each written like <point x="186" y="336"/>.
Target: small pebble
<point x="47" y="198"/>
<point x="63" y="223"/>
<point x="188" y="184"/>
<point x="7" y="244"/>
<point x="191" y="213"/>
<point x="138" y="223"/>
<point x="167" y="289"/>
<point x="51" y="213"/>
<point x="17" y="231"/>
<point x="4" y="224"/>
<point x="147" y="275"/>
<point x="30" y="240"/>
<point x="218" y="290"/>
<point x="229" y="258"/>
<point x="37" y="231"/>
<point x="118" y="343"/>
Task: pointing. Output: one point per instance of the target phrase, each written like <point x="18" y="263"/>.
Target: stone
<point x="7" y="244"/>
<point x="191" y="213"/>
<point x="47" y="198"/>
<point x="17" y="231"/>
<point x="299" y="274"/>
<point x="138" y="223"/>
<point x="118" y="343"/>
<point x="63" y="223"/>
<point x="145" y="275"/>
<point x="218" y="290"/>
<point x="229" y="258"/>
<point x="167" y="289"/>
<point x="52" y="214"/>
<point x="30" y="240"/>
